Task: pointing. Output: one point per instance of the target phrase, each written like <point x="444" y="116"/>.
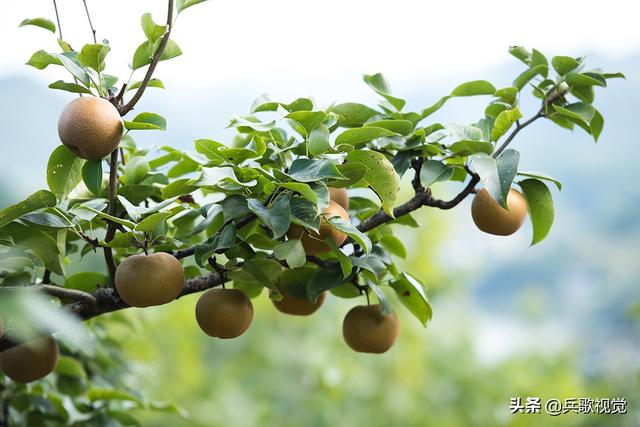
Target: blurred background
<point x="560" y="319"/>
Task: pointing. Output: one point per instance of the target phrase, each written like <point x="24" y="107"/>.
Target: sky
<point x="292" y="48"/>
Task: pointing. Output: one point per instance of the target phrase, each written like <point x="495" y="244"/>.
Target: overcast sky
<point x="293" y="47"/>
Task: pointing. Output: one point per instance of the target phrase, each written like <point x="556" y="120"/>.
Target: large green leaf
<point x="277" y="217"/>
<point x="433" y="171"/>
<point x="497" y="174"/>
<point x="564" y="64"/>
<point x="380" y="176"/>
<point x="76" y="70"/>
<point x="146" y="121"/>
<point x="93" y="56"/>
<point x="152" y="30"/>
<point x="144" y="53"/>
<point x="359" y="136"/>
<point x="378" y="83"/>
<point x="64" y="171"/>
<point x="352" y="114"/>
<point x="350" y="230"/>
<point x="292" y="251"/>
<point x="540" y="204"/>
<point x="323" y="280"/>
<point x="319" y="140"/>
<point x="69" y="87"/>
<point x="542" y="176"/>
<point x="42" y="60"/>
<point x="473" y="88"/>
<point x="92" y="175"/>
<point x="38" y="200"/>
<point x="503" y="122"/>
<point x="40" y="22"/>
<point x="307" y="170"/>
<point x="411" y="293"/>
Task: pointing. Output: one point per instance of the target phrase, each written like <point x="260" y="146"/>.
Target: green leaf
<point x="584" y="93"/>
<point x="540" y="204"/>
<point x="38" y="200"/>
<point x="307" y="170"/>
<point x="497" y="175"/>
<point x="130" y="225"/>
<point x="476" y="87"/>
<point x="152" y="30"/>
<point x="503" y="122"/>
<point x="473" y="88"/>
<point x="411" y="293"/>
<point x="323" y="280"/>
<point x="521" y="53"/>
<point x="401" y="127"/>
<point x="76" y="70"/>
<point x="64" y="171"/>
<point x="304" y="213"/>
<point x="354" y="172"/>
<point x="152" y="221"/>
<point x="580" y="111"/>
<point x="319" y="140"/>
<point x="135" y="170"/>
<point x="277" y="217"/>
<point x="580" y="79"/>
<point x="292" y="251"/>
<point x="304" y="189"/>
<point x="378" y="83"/>
<point x="465" y="148"/>
<point x="96" y="394"/>
<point x="93" y="56"/>
<point x="144" y="53"/>
<point x="529" y="74"/>
<point x="350" y="230"/>
<point x="380" y="176"/>
<point x="46" y="219"/>
<point x="69" y="87"/>
<point x="352" y="114"/>
<point x="542" y="176"/>
<point x="70" y="367"/>
<point x="507" y="94"/>
<point x="386" y="308"/>
<point x="307" y="119"/>
<point x="263" y="103"/>
<point x="86" y="281"/>
<point x="183" y="4"/>
<point x="597" y="123"/>
<point x="434" y="171"/>
<point x="146" y="121"/>
<point x="564" y="64"/>
<point x="358" y="136"/>
<point x="92" y="175"/>
<point x="154" y="82"/>
<point x="343" y="259"/>
<point x="265" y="271"/>
<point x="393" y="245"/>
<point x="39" y="22"/>
<point x="42" y="60"/>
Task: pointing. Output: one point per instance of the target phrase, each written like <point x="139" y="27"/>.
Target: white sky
<point x="294" y="47"/>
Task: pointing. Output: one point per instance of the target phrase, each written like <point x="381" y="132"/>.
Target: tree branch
<point x="124" y="109"/>
<point x="111" y="226"/>
<point x="93" y="30"/>
<point x="518" y="128"/>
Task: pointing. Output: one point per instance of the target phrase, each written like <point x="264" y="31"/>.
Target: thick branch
<point x="154" y="62"/>
<point x="106" y="300"/>
<point x="111" y="226"/>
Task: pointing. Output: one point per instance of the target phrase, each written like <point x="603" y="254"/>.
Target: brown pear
<point x="367" y="330"/>
<point x="291" y="304"/>
<point x="90" y="127"/>
<point x="146" y="280"/>
<point x="313" y="242"/>
<point x="340" y="196"/>
<point x="224" y="313"/>
<point x="31" y="360"/>
<point x="492" y="218"/>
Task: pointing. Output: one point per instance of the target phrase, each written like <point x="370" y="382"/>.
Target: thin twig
<point x="55" y="6"/>
<point x="93" y="30"/>
<point x="156" y="58"/>
<point x="513" y="134"/>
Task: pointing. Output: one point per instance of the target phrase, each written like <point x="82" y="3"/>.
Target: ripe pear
<point x="291" y="304"/>
<point x="492" y="218"/>
<point x="31" y="360"/>
<point x="146" y="280"/>
<point x="367" y="330"/>
<point x="313" y="242"/>
<point x="224" y="313"/>
<point x="340" y="196"/>
<point x="90" y="127"/>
